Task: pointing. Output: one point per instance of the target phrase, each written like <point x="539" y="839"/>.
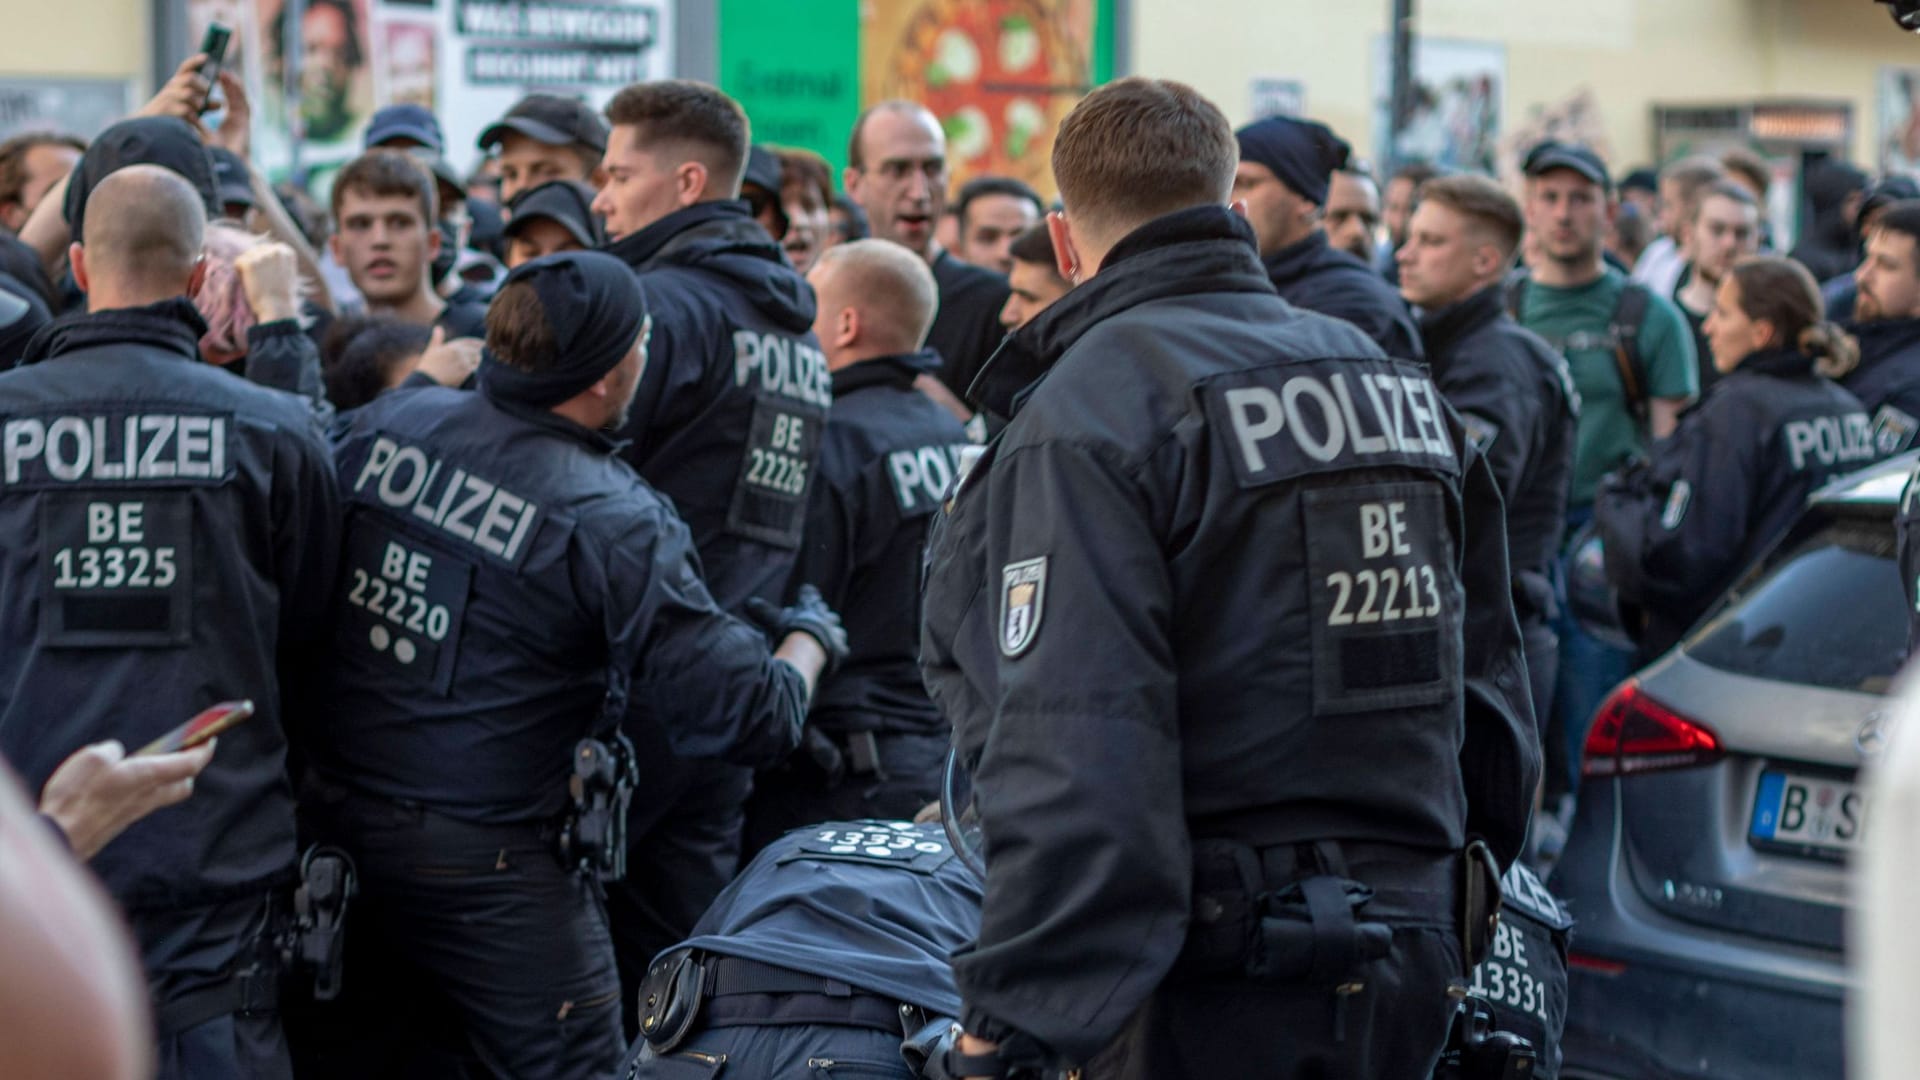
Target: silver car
<point x="1707" y="864"/>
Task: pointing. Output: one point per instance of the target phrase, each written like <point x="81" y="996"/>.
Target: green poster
<point x="794" y="65"/>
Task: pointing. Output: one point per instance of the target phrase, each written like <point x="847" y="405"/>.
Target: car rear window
<point x="1829" y="612"/>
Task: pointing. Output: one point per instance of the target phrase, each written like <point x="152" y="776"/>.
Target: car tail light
<point x="1595" y="964"/>
<point x="1632" y="733"/>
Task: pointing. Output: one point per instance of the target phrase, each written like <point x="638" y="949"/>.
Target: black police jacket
<point x="877" y="905"/>
<point x="887" y="459"/>
<point x="509" y="586"/>
<point x="1224" y="574"/>
<point x="1887" y="381"/>
<point x="1517" y="401"/>
<point x="173" y="534"/>
<point x="1313" y="274"/>
<point x="728" y="417"/>
<point x="1906" y="528"/>
<point x="1724" y="486"/>
<point x="966" y="328"/>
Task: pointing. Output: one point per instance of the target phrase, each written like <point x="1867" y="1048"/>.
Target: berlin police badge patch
<point x="1023" y="594"/>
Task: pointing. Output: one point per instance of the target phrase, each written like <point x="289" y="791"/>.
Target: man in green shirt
<point x="1571" y="298"/>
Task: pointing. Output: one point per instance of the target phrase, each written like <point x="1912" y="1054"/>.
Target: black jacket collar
<point x="171" y="325"/>
<point x="597" y="441"/>
<point x="1297" y="258"/>
<point x="899" y="371"/>
<point x="1204" y="249"/>
<point x="724" y="219"/>
<point x="1783" y="363"/>
<point x="1443" y="329"/>
<point x="1885" y="337"/>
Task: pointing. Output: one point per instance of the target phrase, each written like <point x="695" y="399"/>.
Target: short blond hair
<point x="890" y="285"/>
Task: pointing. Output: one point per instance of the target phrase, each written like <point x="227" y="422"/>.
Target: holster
<point x="1479" y="903"/>
<point x="1306" y="931"/>
<point x="593" y="839"/>
<point x="670" y="998"/>
<point x="315" y="937"/>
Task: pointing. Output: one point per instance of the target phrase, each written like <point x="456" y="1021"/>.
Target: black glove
<point x="809" y="615"/>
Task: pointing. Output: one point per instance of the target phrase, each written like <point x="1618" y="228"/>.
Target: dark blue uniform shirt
<point x="877" y="905"/>
<point x="506" y="578"/>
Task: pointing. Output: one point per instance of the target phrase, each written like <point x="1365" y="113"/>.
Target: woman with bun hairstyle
<point x="1678" y="529"/>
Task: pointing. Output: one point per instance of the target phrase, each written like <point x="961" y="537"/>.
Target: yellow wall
<point x="96" y="38"/>
<point x="1632" y="54"/>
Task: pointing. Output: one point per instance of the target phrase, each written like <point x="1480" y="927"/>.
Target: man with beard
<point x="330" y="58"/>
<point x="1887" y="324"/>
<point x="1353" y="213"/>
<point x="1286" y="167"/>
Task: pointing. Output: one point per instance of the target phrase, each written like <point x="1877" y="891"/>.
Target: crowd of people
<point x="615" y="541"/>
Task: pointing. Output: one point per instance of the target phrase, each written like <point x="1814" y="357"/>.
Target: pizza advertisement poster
<point x="1000" y="74"/>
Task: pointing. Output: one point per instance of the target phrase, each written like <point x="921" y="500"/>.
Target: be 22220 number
<point x="398" y="606"/>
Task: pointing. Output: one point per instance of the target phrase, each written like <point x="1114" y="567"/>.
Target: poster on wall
<point x="1000" y="74"/>
<point x="1899" y="112"/>
<point x="1458" y="90"/>
<point x="1277" y="97"/>
<point x="83" y="107"/>
<point x="468" y="60"/>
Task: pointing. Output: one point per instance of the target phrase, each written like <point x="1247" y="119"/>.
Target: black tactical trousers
<point x="516" y="944"/>
<point x="186" y="954"/>
<point x="792" y="1052"/>
<point x="682" y="848"/>
<point x="796" y="794"/>
<point x="1391" y="1029"/>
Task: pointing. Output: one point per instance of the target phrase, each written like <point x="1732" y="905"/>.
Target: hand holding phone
<point x="214" y="47"/>
<point x="206" y="725"/>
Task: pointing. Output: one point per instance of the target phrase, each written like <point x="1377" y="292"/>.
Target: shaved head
<point x="144" y="229"/>
<point x="889" y="286"/>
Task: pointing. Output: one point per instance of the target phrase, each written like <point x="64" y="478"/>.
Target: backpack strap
<point x="1517" y="292"/>
<point x="1623" y="329"/>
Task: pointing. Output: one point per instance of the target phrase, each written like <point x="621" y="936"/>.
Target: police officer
<point x="875" y="744"/>
<point x="827" y="948"/>
<point x="1521" y="987"/>
<point x="727" y="424"/>
<point x="175" y="532"/>
<point x="1210" y="619"/>
<point x="1511" y="388"/>
<point x="1887" y="325"/>
<point x="1735" y="474"/>
<point x="1286" y="167"/>
<point x="508" y="586"/>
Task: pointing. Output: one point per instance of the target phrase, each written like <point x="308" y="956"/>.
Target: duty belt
<point x="686" y="989"/>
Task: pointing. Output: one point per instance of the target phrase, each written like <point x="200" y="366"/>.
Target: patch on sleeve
<point x="1678" y="499"/>
<point x="1893" y="430"/>
<point x="1023" y="595"/>
<point x="1481" y="432"/>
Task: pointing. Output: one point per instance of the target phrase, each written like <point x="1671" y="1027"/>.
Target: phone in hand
<point x="206" y="725"/>
<point x="214" y="45"/>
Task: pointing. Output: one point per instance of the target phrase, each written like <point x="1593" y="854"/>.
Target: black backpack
<point x="1622" y="337"/>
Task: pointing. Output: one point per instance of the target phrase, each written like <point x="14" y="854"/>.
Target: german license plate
<point x="1808" y="812"/>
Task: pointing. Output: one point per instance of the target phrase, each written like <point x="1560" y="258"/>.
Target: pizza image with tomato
<point x="1000" y="75"/>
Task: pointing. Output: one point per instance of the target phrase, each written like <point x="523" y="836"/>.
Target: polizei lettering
<point x="1331" y="415"/>
<point x="469" y="508"/>
<point x="782" y="365"/>
<point x="116" y="449"/>
<point x="1830" y="440"/>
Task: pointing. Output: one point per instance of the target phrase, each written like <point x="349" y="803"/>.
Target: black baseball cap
<point x="568" y="202"/>
<point x="551" y="119"/>
<point x="230" y="178"/>
<point x="414" y="122"/>
<point x="763" y="169"/>
<point x="1551" y="155"/>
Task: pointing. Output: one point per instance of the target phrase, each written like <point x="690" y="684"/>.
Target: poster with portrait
<point x="1000" y="75"/>
<point x="1458" y="92"/>
<point x="408" y="64"/>
<point x="333" y="75"/>
<point x="1899" y="114"/>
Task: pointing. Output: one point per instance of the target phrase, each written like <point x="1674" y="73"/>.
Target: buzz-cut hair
<point x="1483" y="202"/>
<point x="379" y="174"/>
<point x="893" y="288"/>
<point x="1139" y="148"/>
<point x="709" y="126"/>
